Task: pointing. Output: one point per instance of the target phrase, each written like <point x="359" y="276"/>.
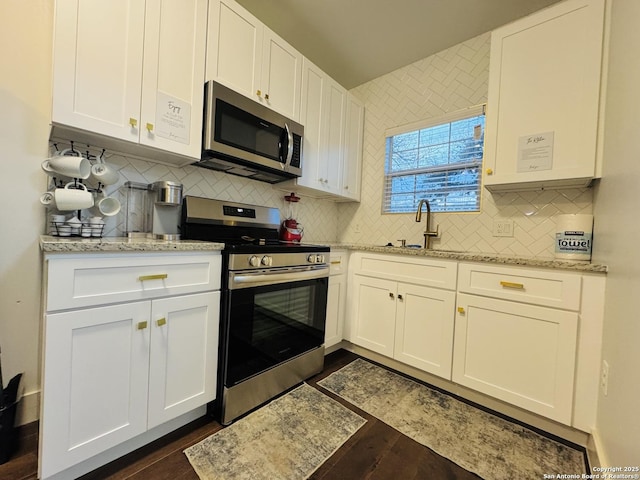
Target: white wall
<point x="617" y="202"/>
<point x="25" y="55"/>
<point x="451" y="80"/>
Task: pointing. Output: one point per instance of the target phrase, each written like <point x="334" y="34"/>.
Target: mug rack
<point x="86" y="229"/>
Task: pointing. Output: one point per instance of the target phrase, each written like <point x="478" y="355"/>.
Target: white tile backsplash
<point x="318" y="217"/>
<point x="454" y="79"/>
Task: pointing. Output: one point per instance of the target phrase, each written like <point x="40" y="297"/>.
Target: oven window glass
<point x="271" y="324"/>
<point x="240" y="129"/>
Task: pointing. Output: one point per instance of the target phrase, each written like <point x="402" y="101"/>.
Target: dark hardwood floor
<point x="375" y="452"/>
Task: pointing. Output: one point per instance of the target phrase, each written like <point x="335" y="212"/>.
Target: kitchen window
<point x="438" y="159"/>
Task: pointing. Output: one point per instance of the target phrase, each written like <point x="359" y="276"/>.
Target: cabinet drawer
<point x="338" y="262"/>
<point x="410" y="269"/>
<point x="84" y="280"/>
<point x="538" y="287"/>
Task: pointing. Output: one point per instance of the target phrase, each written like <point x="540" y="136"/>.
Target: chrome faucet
<point x="427" y="231"/>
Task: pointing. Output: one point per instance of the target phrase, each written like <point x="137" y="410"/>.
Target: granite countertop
<point x="575" y="265"/>
<point x="51" y="244"/>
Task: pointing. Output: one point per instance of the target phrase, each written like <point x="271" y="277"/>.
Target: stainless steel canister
<point x="167" y="193"/>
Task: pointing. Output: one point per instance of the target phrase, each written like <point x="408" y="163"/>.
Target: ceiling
<point x="355" y="41"/>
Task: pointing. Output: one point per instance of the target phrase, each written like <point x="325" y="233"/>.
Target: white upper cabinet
<point x="353" y="143"/>
<point x="333" y="123"/>
<point x="129" y="75"/>
<point x="246" y="56"/>
<point x="544" y="99"/>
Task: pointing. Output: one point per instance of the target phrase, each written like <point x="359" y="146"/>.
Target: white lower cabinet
<point x="113" y="372"/>
<point x="522" y="354"/>
<point x="424" y="328"/>
<point x="529" y="337"/>
<point x="405" y="320"/>
<point x="374" y="314"/>
<point x="336" y="297"/>
<point x="96" y="371"/>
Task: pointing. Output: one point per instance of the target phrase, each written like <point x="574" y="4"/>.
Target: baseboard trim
<point x="28" y="408"/>
<point x="596" y="451"/>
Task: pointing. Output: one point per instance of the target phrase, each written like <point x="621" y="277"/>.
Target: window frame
<point x="448" y="118"/>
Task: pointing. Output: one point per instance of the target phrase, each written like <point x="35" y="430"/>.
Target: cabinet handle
<point x="133" y="122"/>
<point x="336" y="262"/>
<point x="259" y="93"/>
<point x="150" y="127"/>
<point x="266" y="97"/>
<point x="517" y="286"/>
<point x="142" y="325"/>
<point x="399" y="296"/>
<point x="461" y="310"/>
<point x="489" y="171"/>
<point x="391" y="295"/>
<point x="161" y="321"/>
<point x="159" y="276"/>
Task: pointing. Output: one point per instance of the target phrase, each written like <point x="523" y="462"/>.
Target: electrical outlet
<point x="604" y="377"/>
<point x="356" y="228"/>
<point x="503" y="228"/>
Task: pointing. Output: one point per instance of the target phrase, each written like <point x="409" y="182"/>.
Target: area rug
<point x="286" y="439"/>
<point x="482" y="443"/>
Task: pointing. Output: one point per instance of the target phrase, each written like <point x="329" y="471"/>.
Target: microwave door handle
<point x="289" y="147"/>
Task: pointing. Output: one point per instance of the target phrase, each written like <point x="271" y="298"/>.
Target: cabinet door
<point x="281" y="76"/>
<point x="96" y="364"/>
<point x="312" y="113"/>
<point x="522" y="354"/>
<point x="331" y="169"/>
<point x="354" y="130"/>
<point x="545" y="83"/>
<point x="172" y="87"/>
<point x="424" y="328"/>
<point x="184" y="354"/>
<point x="336" y="297"/>
<point x="234" y="47"/>
<point x="97" y="67"/>
<point x="374" y="314"/>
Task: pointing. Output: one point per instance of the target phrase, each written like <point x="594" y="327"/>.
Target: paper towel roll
<point x="574" y="237"/>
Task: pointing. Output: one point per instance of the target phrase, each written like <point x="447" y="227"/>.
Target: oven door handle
<point x="246" y="280"/>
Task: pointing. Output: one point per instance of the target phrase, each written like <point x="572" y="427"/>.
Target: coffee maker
<point x="152" y="210"/>
<point x="165" y="210"/>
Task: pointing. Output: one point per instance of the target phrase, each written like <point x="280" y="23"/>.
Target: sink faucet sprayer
<point x="427" y="230"/>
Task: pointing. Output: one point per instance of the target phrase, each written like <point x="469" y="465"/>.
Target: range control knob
<point x="254" y="261"/>
<point x="267" y="261"/>
<point x="320" y="258"/>
<point x="313" y="258"/>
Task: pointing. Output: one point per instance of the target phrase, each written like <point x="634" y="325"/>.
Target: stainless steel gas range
<point x="273" y="309"/>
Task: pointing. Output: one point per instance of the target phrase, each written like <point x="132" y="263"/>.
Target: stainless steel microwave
<point x="244" y="138"/>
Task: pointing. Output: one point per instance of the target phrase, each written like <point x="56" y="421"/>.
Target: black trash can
<point x="8" y="431"/>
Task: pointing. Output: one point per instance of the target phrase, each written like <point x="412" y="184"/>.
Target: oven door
<point x="271" y="321"/>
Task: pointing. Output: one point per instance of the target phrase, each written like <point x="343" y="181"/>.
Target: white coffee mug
<point x="48" y="199"/>
<point x="108" y="206"/>
<point x="104" y="173"/>
<point x="68" y="198"/>
<point x="68" y="165"/>
<point x="55" y="221"/>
